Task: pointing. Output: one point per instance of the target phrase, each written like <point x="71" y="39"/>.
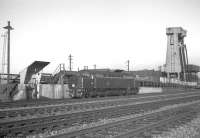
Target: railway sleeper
<point x="55" y="109"/>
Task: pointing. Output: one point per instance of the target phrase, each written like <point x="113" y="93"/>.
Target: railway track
<point x="47" y="110"/>
<point x="67" y="120"/>
<point x="141" y="125"/>
<point x="43" y="102"/>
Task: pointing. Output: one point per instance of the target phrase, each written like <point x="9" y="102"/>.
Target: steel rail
<point x="41" y="102"/>
<point x="92" y="129"/>
<point x="105" y="107"/>
<point x="40" y="124"/>
<point x="53" y="109"/>
<point x="97" y="101"/>
<point x="153" y="125"/>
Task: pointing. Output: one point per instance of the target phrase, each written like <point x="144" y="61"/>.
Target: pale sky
<point x="102" y="32"/>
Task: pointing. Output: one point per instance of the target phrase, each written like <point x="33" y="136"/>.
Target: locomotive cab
<point x="75" y="92"/>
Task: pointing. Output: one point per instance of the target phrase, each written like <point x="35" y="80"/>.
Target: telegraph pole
<point x="128" y="64"/>
<point x="70" y="62"/>
<point x="95" y="66"/>
<point x="8" y="28"/>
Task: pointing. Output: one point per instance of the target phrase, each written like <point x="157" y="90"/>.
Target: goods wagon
<point x="104" y="86"/>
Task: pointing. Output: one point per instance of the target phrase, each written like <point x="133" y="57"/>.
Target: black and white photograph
<point x="99" y="68"/>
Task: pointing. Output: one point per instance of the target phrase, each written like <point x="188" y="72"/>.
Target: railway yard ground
<point x="158" y="115"/>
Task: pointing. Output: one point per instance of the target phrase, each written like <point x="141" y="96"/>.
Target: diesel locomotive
<point x="100" y="85"/>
